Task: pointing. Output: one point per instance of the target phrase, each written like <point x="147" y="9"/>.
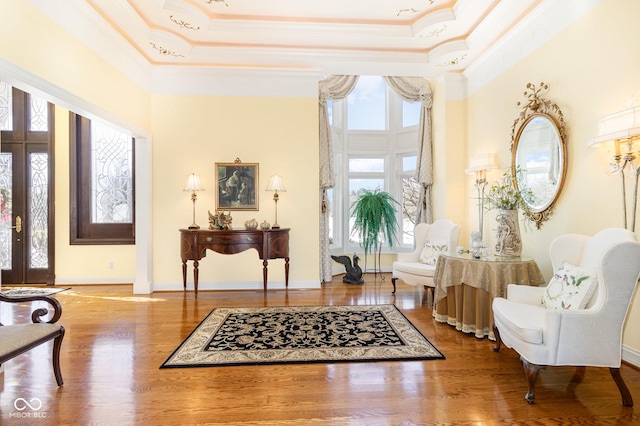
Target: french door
<point x="26" y="192"/>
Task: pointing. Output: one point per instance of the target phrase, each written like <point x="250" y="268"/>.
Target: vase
<point x="508" y="240"/>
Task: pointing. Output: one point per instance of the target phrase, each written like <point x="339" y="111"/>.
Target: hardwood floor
<point x="116" y="341"/>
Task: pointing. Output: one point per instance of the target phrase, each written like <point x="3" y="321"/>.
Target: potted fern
<point x="374" y="212"/>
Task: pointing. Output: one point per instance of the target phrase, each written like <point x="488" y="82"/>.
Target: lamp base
<point x="276" y="226"/>
<point x="194" y="226"/>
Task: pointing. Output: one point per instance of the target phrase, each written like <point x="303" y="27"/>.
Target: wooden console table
<point x="270" y="244"/>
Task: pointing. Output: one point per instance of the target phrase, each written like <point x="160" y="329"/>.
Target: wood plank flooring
<point x="116" y="342"/>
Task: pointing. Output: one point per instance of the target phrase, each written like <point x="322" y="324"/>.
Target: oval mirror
<point x="538" y="154"/>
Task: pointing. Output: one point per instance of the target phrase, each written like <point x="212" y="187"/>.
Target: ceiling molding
<point x="153" y="41"/>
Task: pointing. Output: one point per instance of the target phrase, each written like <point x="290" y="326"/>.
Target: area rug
<point x="31" y="291"/>
<point x="302" y="334"/>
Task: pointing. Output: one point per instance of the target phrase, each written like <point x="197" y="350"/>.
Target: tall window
<point x="102" y="180"/>
<point x="375" y="137"/>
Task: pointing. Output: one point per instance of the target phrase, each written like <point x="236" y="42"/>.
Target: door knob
<point x="18" y="226"/>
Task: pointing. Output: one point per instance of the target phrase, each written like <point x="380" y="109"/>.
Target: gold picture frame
<point x="237" y="186"/>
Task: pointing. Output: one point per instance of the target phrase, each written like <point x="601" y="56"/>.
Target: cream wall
<point x="592" y="69"/>
<point x="82" y="264"/>
<point x="192" y="133"/>
<point x="33" y="42"/>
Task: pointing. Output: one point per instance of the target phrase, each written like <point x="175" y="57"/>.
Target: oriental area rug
<point x="31" y="291"/>
<point x="302" y="334"/>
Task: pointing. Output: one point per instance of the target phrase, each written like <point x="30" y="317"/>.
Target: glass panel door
<point x="26" y="229"/>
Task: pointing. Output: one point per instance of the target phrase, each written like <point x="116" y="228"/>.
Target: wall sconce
<point x="479" y="166"/>
<point x="622" y="129"/>
<point x="193" y="185"/>
<point x="275" y="184"/>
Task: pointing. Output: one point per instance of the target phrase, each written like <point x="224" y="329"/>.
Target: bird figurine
<point x="353" y="273"/>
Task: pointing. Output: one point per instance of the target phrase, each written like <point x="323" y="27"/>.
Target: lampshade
<point x="482" y="162"/>
<point x="623" y="124"/>
<point x="275" y="184"/>
<point x="193" y="183"/>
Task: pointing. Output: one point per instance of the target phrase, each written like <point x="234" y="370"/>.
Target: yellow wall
<point x="592" y="69"/>
<point x="195" y="132"/>
<point x="81" y="264"/>
<point x="35" y="43"/>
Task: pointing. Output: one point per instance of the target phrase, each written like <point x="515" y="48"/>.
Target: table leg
<point x="195" y="277"/>
<point x="286" y="272"/>
<point x="264" y="273"/>
<point x="184" y="274"/>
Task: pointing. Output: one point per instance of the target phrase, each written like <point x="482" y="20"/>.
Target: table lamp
<point x="193" y="185"/>
<point x="275" y="184"/>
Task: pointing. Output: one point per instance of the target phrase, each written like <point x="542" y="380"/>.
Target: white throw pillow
<point x="570" y="288"/>
<point x="431" y="251"/>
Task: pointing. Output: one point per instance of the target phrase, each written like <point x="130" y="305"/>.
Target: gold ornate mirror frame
<point x="539" y="153"/>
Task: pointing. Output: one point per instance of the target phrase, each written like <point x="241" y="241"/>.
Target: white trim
<point x="630" y="355"/>
<point x="240" y="285"/>
<point x="93" y="280"/>
<point x="541" y="25"/>
<point x="234" y="82"/>
<point x="455" y="86"/>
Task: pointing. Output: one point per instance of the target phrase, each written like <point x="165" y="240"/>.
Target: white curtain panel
<point x="333" y="87"/>
<point x="418" y="89"/>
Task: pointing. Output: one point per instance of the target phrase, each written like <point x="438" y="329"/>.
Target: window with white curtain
<point x="375" y="135"/>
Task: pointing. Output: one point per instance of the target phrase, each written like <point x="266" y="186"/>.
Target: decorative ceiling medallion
<point x="401" y="11"/>
<point x="454" y="61"/>
<point x="183" y="24"/>
<point x="163" y="51"/>
<point x="436" y="32"/>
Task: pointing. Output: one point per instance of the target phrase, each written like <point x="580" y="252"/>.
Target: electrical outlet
<point x="111" y="265"/>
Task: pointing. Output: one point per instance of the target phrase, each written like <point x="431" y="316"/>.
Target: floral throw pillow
<point x="570" y="288"/>
<point x="431" y="251"/>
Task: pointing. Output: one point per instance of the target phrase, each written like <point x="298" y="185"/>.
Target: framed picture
<point x="237" y="186"/>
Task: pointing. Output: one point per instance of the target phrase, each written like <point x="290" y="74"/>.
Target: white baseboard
<point x="93" y="280"/>
<point x="630" y="355"/>
<point x="246" y="285"/>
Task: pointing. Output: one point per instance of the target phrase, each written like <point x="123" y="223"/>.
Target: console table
<point x="270" y="244"/>
<point x="465" y="288"/>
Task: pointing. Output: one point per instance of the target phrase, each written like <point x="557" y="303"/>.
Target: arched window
<point x="374" y="136"/>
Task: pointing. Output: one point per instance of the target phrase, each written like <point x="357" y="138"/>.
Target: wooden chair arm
<point x="37" y="314"/>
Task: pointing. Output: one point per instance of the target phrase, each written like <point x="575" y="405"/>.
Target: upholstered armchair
<point x="418" y="267"/>
<point x="16" y="339"/>
<point x="577" y="319"/>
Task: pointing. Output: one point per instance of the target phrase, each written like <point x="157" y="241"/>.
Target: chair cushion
<point x="431" y="251"/>
<point x="570" y="288"/>
<point x="520" y="319"/>
<point x="14" y="337"/>
<point x="415" y="268"/>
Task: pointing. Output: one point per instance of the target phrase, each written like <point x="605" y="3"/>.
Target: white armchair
<point x="409" y="268"/>
<point x="591" y="336"/>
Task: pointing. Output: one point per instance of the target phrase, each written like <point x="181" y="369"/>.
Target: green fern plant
<point x="374" y="213"/>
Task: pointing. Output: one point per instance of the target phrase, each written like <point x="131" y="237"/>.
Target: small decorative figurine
<point x="220" y="220"/>
<point x="265" y="225"/>
<point x="251" y="224"/>
<point x="353" y="273"/>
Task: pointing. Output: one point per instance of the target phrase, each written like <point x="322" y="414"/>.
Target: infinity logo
<point x="22" y="404"/>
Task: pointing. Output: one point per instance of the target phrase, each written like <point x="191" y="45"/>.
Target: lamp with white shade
<point x="276" y="184"/>
<point x="621" y="131"/>
<point x="193" y="185"/>
<point x="478" y="167"/>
